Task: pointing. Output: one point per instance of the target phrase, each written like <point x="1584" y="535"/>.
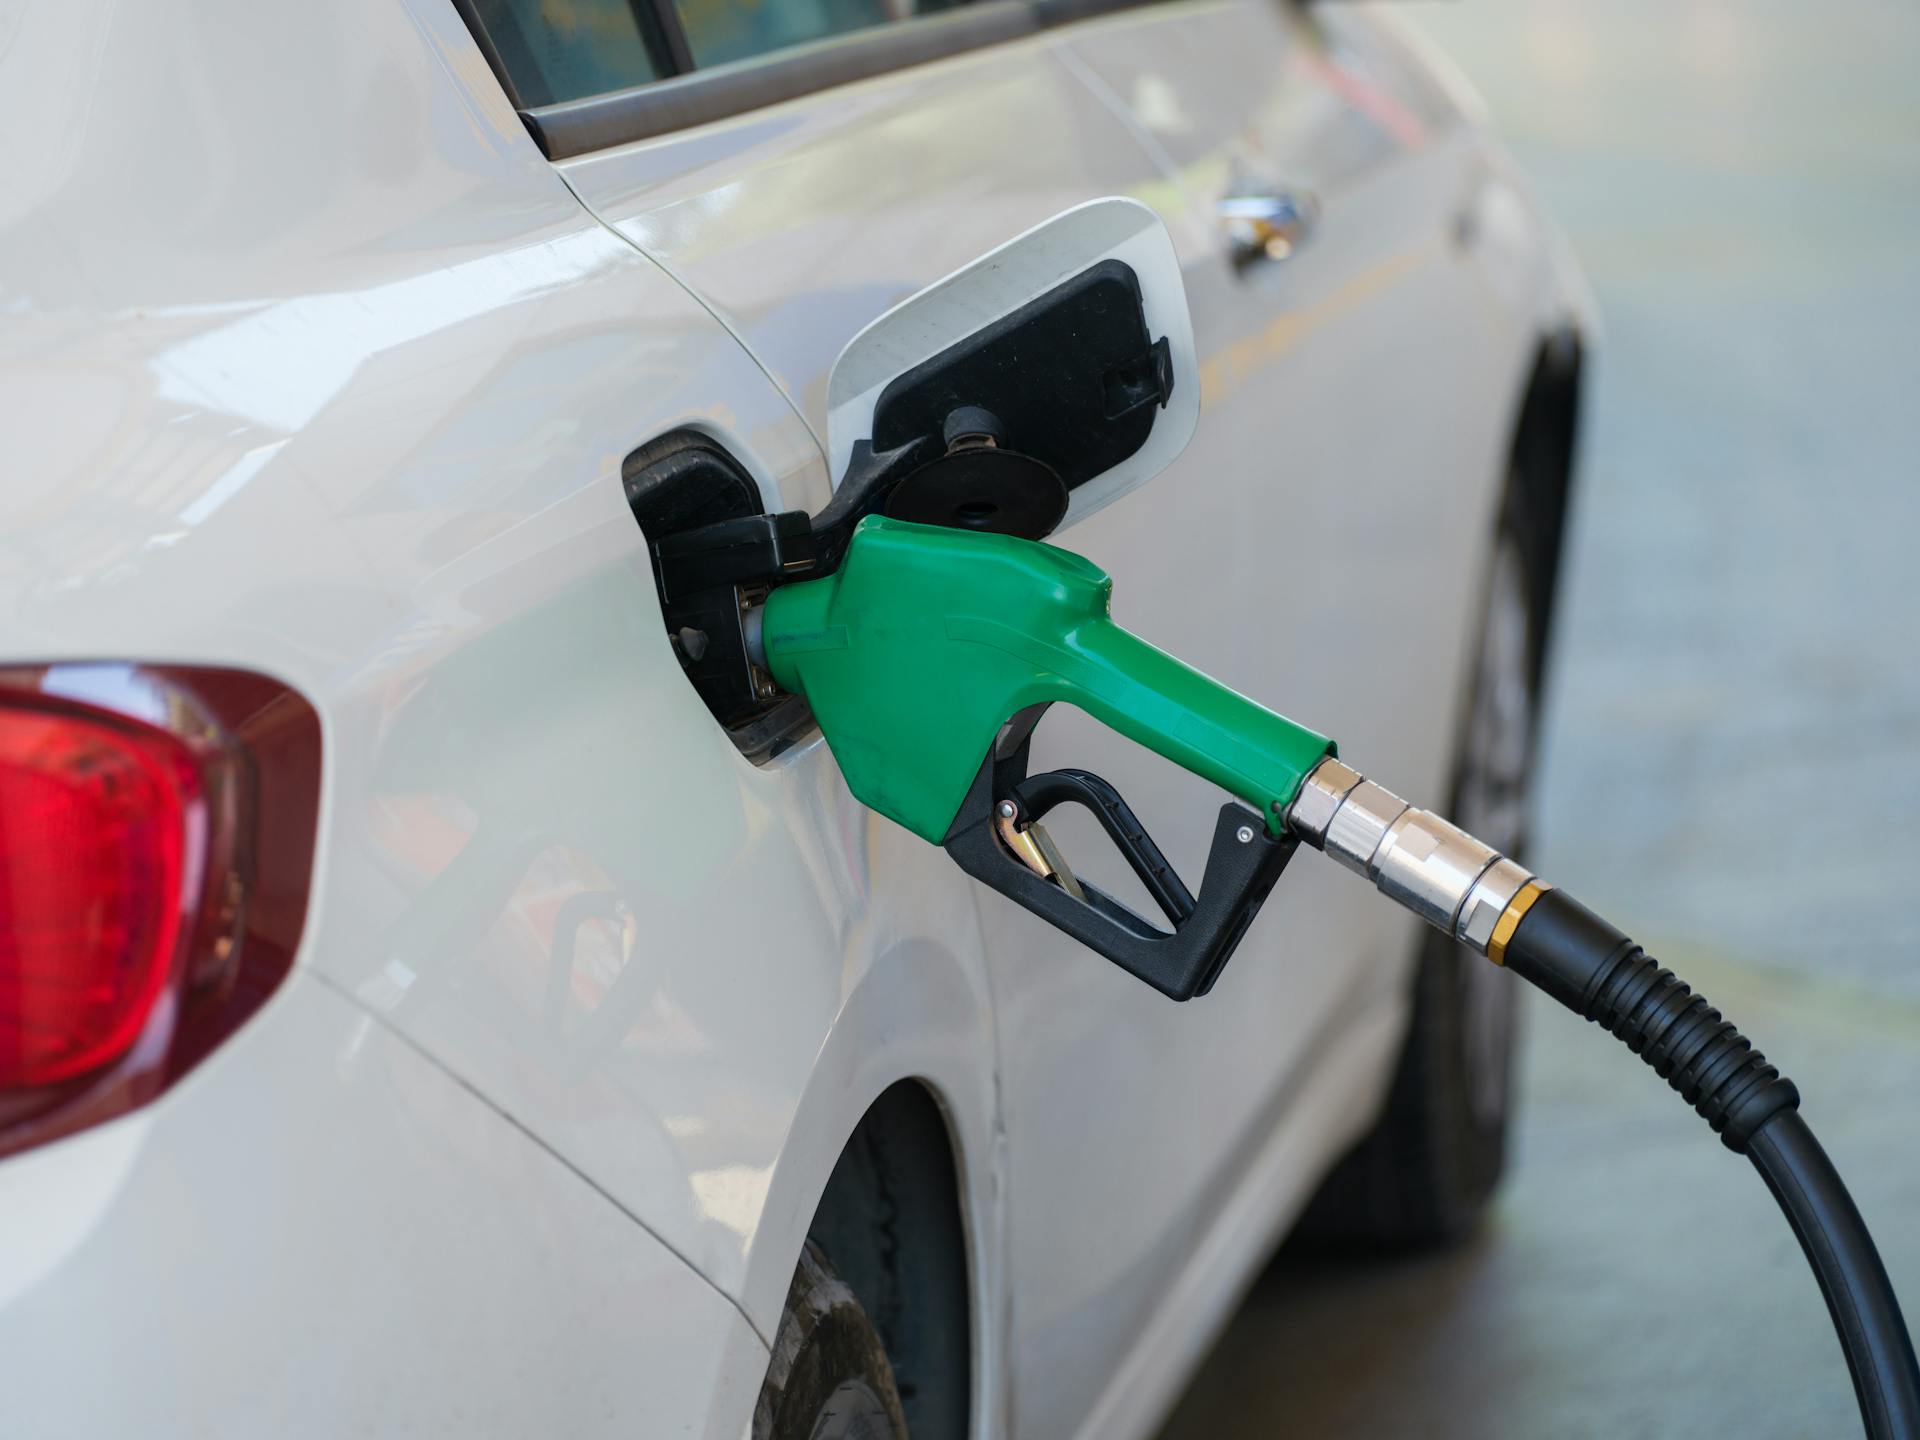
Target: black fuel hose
<point x="1598" y="973"/>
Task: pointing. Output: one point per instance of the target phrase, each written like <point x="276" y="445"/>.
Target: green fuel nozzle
<point x="927" y="640"/>
<point x="927" y="657"/>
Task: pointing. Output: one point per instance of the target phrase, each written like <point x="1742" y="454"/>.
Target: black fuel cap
<point x="982" y="487"/>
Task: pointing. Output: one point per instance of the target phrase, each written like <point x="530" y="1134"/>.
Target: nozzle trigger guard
<point x="1037" y="795"/>
<point x="1240" y="874"/>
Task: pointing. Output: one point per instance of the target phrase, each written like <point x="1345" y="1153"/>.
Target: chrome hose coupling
<point x="1434" y="868"/>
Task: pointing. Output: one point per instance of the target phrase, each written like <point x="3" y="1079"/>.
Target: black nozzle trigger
<point x="1242" y="867"/>
<point x="1039" y="794"/>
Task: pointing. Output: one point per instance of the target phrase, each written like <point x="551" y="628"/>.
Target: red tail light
<point x="92" y="885"/>
<point x="156" y="840"/>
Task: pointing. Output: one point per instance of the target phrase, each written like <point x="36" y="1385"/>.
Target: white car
<point x="418" y="1012"/>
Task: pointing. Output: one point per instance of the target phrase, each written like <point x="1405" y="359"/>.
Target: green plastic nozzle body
<point x="927" y="640"/>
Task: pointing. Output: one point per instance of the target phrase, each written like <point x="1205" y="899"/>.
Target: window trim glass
<point x="692" y="97"/>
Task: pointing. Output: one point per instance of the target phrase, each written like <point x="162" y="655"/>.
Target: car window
<point x="565" y="49"/>
<point x="722" y="30"/>
<point x="559" y="50"/>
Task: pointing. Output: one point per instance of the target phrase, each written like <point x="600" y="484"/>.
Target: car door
<point x="801" y="196"/>
<point x="1316" y="547"/>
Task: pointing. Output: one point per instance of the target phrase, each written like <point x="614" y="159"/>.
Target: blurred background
<point x="1731" y="759"/>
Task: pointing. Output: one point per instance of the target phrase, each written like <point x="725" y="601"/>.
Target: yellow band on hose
<point x="1510" y="919"/>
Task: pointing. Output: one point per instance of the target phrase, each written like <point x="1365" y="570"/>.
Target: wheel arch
<point x="892" y="1159"/>
<point x="891" y="1220"/>
<point x="1544" y="451"/>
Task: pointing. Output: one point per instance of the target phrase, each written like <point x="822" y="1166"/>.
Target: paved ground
<point x="1732" y="763"/>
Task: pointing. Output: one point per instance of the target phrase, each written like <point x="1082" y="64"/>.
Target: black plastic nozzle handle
<point x="1243" y="863"/>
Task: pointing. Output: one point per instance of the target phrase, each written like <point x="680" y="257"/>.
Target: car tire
<point x="1424" y="1173"/>
<point x="828" y="1377"/>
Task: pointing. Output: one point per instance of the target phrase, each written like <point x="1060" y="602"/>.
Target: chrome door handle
<point x="1262" y="225"/>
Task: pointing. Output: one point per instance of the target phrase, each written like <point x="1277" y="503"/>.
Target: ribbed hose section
<point x="1600" y="974"/>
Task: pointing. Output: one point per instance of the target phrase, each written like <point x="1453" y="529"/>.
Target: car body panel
<point x="323" y="370"/>
<point x="393" y="1255"/>
<point x="800" y="224"/>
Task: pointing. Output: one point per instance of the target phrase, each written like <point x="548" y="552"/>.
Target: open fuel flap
<point x="1016" y="395"/>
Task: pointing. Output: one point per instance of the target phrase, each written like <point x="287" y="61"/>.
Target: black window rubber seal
<point x="660" y="107"/>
